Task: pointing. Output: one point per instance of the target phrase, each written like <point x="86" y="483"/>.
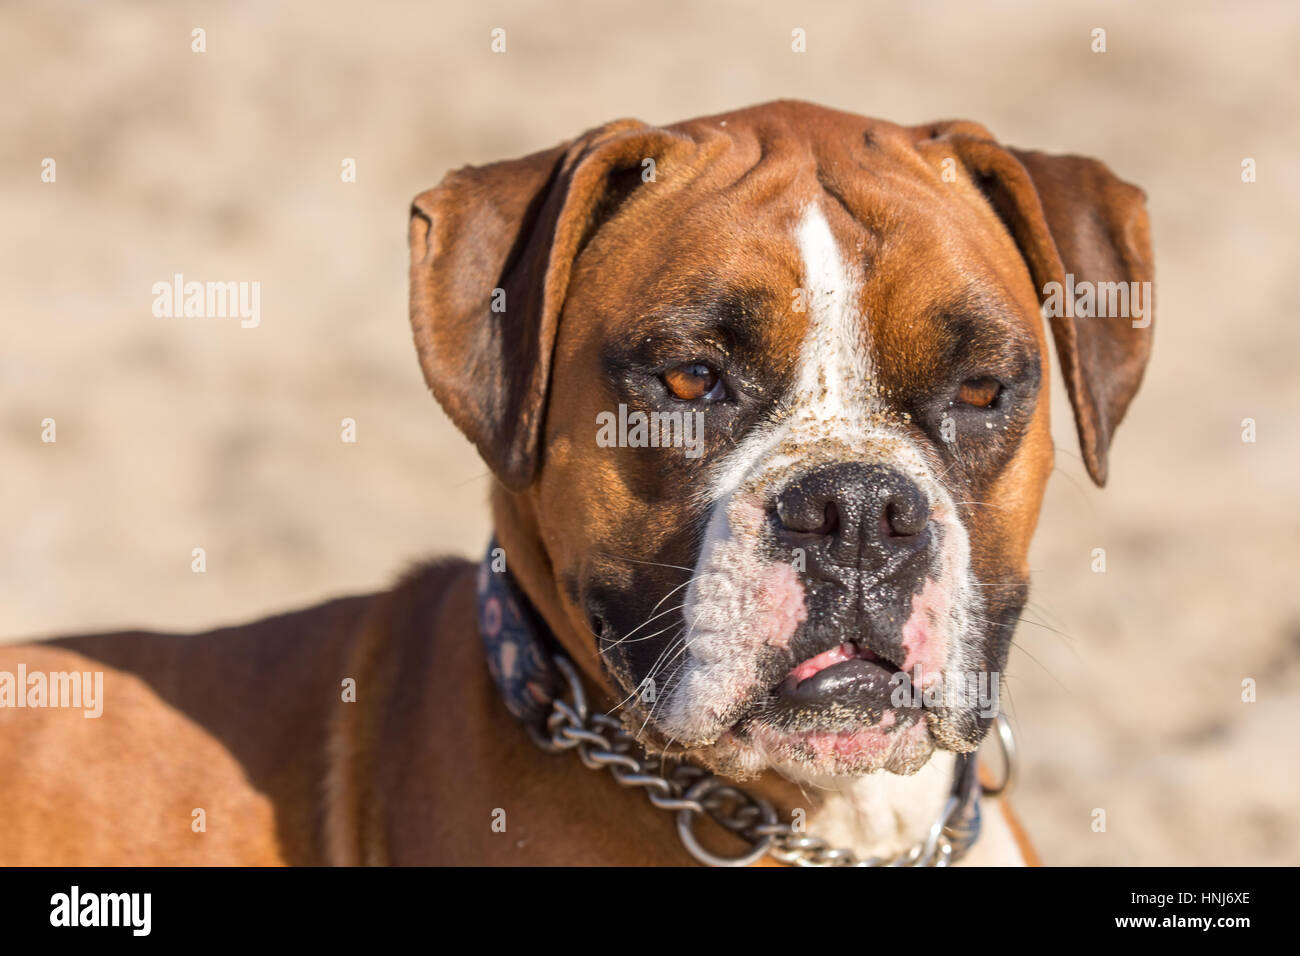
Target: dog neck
<point x="880" y="814"/>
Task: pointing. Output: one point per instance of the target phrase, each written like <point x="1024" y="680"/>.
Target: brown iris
<point x="979" y="392"/>
<point x="692" y="381"/>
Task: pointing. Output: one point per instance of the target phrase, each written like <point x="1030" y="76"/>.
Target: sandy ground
<point x="175" y="434"/>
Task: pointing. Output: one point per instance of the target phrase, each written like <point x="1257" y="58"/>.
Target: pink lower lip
<point x="844" y="652"/>
<point x="866" y="743"/>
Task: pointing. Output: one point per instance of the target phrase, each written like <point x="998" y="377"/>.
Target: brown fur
<point x="248" y="723"/>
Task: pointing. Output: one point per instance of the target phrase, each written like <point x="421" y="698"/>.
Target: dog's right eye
<point x="979" y="392"/>
<point x="695" y="382"/>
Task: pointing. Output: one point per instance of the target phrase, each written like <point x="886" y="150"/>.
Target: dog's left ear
<point x="492" y="248"/>
<point x="1071" y="215"/>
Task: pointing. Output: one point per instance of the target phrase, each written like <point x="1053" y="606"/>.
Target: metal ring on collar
<point x="1010" y="758"/>
<point x="686" y="829"/>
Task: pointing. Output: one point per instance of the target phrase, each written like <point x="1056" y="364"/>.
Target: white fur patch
<point x="833" y="384"/>
<point x="882" y="814"/>
<point x="835" y="362"/>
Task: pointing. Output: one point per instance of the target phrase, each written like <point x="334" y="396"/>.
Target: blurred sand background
<point x="175" y="433"/>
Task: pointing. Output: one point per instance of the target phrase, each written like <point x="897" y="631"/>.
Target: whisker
<point x="643" y="624"/>
<point x="1055" y="679"/>
<point x="650" y="676"/>
<point x="1074" y="483"/>
<point x="1047" y="627"/>
<point x="653" y="564"/>
<point x="647" y="637"/>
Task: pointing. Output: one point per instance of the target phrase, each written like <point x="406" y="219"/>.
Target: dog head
<point x="766" y="397"/>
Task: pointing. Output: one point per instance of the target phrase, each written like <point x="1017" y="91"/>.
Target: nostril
<point x="806" y="516"/>
<point x="905" y="519"/>
<point x="830" y="520"/>
<point x="896" y="523"/>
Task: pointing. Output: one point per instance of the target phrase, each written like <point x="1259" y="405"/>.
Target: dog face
<point x="777" y="413"/>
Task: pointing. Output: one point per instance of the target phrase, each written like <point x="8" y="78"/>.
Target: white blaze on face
<point x="835" y="370"/>
<point x="833" y="387"/>
<point x="740" y="602"/>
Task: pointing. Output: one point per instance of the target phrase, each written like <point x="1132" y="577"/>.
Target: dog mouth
<point x="841" y="712"/>
<point x="834" y="658"/>
<point x="841" y="688"/>
<point x="835" y="713"/>
<point x="845" y="689"/>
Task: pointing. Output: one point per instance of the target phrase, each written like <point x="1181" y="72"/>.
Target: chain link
<point x="601" y="742"/>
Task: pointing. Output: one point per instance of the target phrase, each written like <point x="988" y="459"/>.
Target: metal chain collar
<point x="691" y="792"/>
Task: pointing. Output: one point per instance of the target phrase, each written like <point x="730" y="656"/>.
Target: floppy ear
<point x="491" y="252"/>
<point x="1070" y="215"/>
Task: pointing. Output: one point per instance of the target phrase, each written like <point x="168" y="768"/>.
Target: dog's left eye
<point x="979" y="392"/>
<point x="694" y="382"/>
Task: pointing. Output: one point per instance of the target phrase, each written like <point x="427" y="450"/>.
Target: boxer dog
<point x="844" y="319"/>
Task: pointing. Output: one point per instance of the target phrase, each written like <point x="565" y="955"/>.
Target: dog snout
<point x="854" y="512"/>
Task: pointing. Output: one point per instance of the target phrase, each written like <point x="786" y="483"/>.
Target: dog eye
<point x="695" y="381"/>
<point x="979" y="392"/>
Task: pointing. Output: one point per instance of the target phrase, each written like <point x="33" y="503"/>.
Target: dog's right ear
<point x="491" y="252"/>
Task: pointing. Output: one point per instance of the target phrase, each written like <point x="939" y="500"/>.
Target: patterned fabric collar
<point x="517" y="643"/>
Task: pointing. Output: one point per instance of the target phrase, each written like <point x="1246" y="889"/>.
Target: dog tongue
<point x="845" y="652"/>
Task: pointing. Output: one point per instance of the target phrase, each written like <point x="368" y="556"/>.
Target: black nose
<point x="861" y="514"/>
